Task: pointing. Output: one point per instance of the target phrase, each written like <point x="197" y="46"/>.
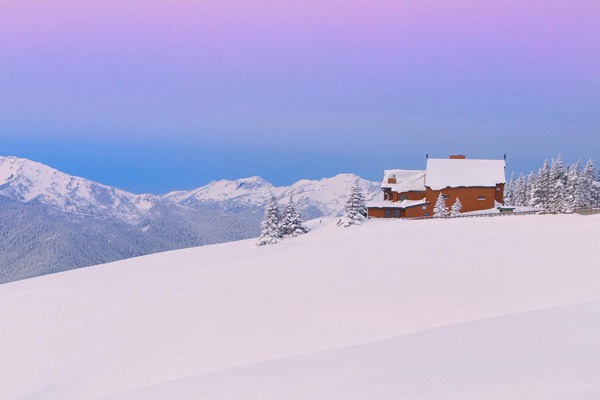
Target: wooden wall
<point x="469" y="197"/>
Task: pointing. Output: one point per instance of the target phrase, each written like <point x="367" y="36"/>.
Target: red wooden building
<point x="479" y="184"/>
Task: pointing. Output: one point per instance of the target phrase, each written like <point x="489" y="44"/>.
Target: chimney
<point x="458" y="157"/>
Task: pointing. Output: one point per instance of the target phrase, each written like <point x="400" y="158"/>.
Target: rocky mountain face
<point x="51" y="221"/>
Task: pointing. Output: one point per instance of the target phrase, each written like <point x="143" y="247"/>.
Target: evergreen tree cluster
<point x="440" y="210"/>
<point x="277" y="225"/>
<point x="556" y="187"/>
<point x="355" y="209"/>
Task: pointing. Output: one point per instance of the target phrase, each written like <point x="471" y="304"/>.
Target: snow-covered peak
<point x="249" y="190"/>
<point x="316" y="197"/>
<point x="328" y="195"/>
<point x="253" y="182"/>
<point x="35" y="176"/>
<point x="29" y="181"/>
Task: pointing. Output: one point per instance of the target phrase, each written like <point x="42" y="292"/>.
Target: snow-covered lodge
<point x="479" y="184"/>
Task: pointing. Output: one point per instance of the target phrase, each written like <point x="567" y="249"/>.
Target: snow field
<point x="369" y="311"/>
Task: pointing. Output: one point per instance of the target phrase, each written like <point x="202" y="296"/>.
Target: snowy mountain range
<point x="52" y="221"/>
<point x="27" y="181"/>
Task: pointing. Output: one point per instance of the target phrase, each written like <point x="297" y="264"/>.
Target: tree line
<point x="556" y="187"/>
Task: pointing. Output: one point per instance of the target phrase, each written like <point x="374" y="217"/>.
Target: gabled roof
<point x="406" y="180"/>
<point x="443" y="173"/>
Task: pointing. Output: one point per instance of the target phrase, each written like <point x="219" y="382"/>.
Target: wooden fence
<point x="581" y="211"/>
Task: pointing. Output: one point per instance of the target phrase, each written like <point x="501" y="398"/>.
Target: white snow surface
<point x="498" y="308"/>
<point x="443" y="173"/>
<point x="406" y="180"/>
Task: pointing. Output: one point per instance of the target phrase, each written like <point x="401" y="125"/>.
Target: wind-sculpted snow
<point x="498" y="308"/>
<point x="53" y="222"/>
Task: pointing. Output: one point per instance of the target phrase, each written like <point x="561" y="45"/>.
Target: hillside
<point x="52" y="221"/>
<point x="482" y="308"/>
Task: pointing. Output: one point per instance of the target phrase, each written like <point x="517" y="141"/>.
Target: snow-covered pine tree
<point x="509" y="191"/>
<point x="359" y="198"/>
<point x="585" y="192"/>
<point x="440" y="210"/>
<point x="571" y="187"/>
<point x="270" y="225"/>
<point x="355" y="209"/>
<point x="291" y="223"/>
<point x="520" y="191"/>
<point x="456" y="208"/>
<point x="531" y="182"/>
<point x="556" y="190"/>
<point x="539" y="192"/>
<point x="597" y="191"/>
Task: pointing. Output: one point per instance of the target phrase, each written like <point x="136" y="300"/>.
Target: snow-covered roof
<point x="406" y="180"/>
<point x="396" y="204"/>
<point x="443" y="173"/>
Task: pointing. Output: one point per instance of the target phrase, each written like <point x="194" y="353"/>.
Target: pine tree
<point x="531" y="182"/>
<point x="520" y="191"/>
<point x="440" y="210"/>
<point x="292" y="224"/>
<point x="556" y="190"/>
<point x="509" y="191"/>
<point x="585" y="192"/>
<point x="571" y="187"/>
<point x="456" y="208"/>
<point x="539" y="192"/>
<point x="596" y="191"/>
<point x="355" y="209"/>
<point x="270" y="225"/>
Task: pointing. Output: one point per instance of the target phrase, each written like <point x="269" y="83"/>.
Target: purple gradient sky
<point x="160" y="95"/>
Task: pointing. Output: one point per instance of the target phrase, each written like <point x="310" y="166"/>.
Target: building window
<point x="424" y="208"/>
<point x="387" y="214"/>
<point x="497" y="189"/>
<point x="426" y="214"/>
<point x="402" y="197"/>
<point x="386" y="196"/>
<point x="446" y="196"/>
<point x="481" y="197"/>
<point x="397" y="213"/>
